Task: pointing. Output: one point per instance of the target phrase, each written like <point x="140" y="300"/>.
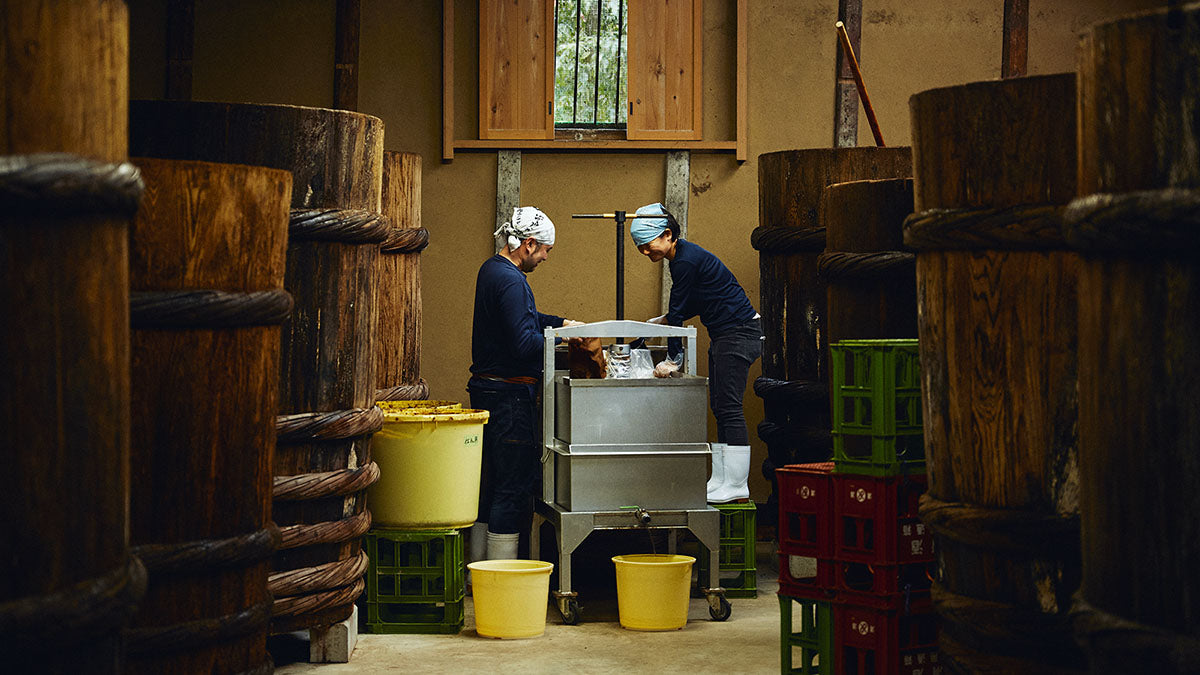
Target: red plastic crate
<point x="881" y="580"/>
<point x="819" y="587"/>
<point x="806" y="509"/>
<point x="868" y="640"/>
<point x="863" y="539"/>
<point x="886" y="498"/>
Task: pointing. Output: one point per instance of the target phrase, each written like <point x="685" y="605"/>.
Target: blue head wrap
<point x="644" y="230"/>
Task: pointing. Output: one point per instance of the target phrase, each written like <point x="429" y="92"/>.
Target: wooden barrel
<point x="790" y="237"/>
<point x="398" y="356"/>
<point x="871" y="280"/>
<point x="996" y="288"/>
<point x="1139" y="342"/>
<point x="206" y="264"/>
<point x="327" y="406"/>
<point x="68" y="583"/>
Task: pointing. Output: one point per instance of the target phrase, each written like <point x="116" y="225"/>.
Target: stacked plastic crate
<point x="416" y="582"/>
<point x="739" y="569"/>
<point x="867" y="607"/>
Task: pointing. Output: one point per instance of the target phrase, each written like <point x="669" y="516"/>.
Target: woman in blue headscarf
<point x="702" y="285"/>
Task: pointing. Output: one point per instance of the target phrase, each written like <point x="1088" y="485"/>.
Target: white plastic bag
<point x="640" y="364"/>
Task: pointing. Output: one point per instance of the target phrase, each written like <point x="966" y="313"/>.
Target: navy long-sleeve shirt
<point x="702" y="285"/>
<point x="506" y="336"/>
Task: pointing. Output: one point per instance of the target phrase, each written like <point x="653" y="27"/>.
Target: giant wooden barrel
<point x="327" y="406"/>
<point x="1138" y="231"/>
<point x="790" y="238"/>
<point x="996" y="288"/>
<point x="68" y="583"/>
<point x="398" y="357"/>
<point x="871" y="280"/>
<point x="206" y="263"/>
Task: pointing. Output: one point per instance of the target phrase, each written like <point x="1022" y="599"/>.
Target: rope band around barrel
<point x="200" y="632"/>
<point x="404" y="392"/>
<point x="208" y="309"/>
<point x="405" y="240"/>
<point x="209" y="554"/>
<point x="64" y="184"/>
<point x="1024" y="532"/>
<point x="324" y="484"/>
<point x="1024" y="227"/>
<point x="328" y="426"/>
<point x="793" y="436"/>
<point x="1002" y="628"/>
<point x="1158" y="221"/>
<point x="1116" y="644"/>
<point x="295" y="605"/>
<point x="778" y="239"/>
<point x="318" y="578"/>
<point x="91" y="607"/>
<point x="790" y="391"/>
<point x="330" y="532"/>
<point x="865" y="266"/>
<point x="348" y="226"/>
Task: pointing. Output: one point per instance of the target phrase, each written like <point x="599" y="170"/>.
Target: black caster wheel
<point x="722" y="613"/>
<point x="569" y="609"/>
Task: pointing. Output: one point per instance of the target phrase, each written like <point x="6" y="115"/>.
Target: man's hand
<point x="665" y="368"/>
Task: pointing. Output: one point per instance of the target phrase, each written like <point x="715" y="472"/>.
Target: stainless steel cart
<point x="625" y="454"/>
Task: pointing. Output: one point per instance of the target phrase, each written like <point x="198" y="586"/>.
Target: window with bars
<point x="590" y="64"/>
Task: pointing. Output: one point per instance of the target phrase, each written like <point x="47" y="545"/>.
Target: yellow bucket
<point x="429" y="462"/>
<point x="510" y="597"/>
<point x="653" y="590"/>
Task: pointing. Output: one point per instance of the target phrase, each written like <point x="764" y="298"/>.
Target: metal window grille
<point x="590" y="63"/>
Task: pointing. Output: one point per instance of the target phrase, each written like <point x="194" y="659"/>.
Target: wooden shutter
<point x="664" y="69"/>
<point x="516" y="69"/>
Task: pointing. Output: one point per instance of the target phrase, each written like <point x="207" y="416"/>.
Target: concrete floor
<point x="748" y="642"/>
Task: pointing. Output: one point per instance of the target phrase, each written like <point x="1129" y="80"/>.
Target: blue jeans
<point x="730" y="356"/>
<point x="511" y="454"/>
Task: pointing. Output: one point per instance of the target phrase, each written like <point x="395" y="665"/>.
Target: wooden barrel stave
<point x="398" y="358"/>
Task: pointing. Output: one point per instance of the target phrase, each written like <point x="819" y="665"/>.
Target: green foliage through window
<point x="590" y="63"/>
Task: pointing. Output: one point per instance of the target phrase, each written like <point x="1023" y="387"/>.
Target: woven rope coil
<point x="790" y="391"/>
<point x="777" y="239"/>
<point x="319" y="577"/>
<point x="327" y="426"/>
<point x="208" y="308"/>
<point x="63" y="184"/>
<point x="404" y="392"/>
<point x="1160" y="221"/>
<point x="405" y="240"/>
<point x="1000" y="627"/>
<point x="295" y="605"/>
<point x="324" y="484"/>
<point x="1024" y="532"/>
<point x="874" y="265"/>
<point x="1115" y="644"/>
<point x="1025" y="227"/>
<point x="78" y="612"/>
<point x="330" y="532"/>
<point x="348" y="226"/>
<point x="199" y="632"/>
<point x="209" y="554"/>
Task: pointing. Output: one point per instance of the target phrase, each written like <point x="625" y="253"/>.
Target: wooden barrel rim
<point x="58" y="183"/>
<point x="1023" y="227"/>
<point x="207" y="308"/>
<point x="404" y="392"/>
<point x="328" y="532"/>
<point x="326" y="576"/>
<point x="319" y="485"/>
<point x="208" y="554"/>
<point x="780" y="239"/>
<point x="1001" y="627"/>
<point x="405" y="240"/>
<point x="327" y="426"/>
<point x="349" y="226"/>
<point x="865" y="266"/>
<point x="1163" y="221"/>
<point x="200" y="632"/>
<point x="77" y="612"/>
<point x="1001" y="529"/>
<point x="1153" y="648"/>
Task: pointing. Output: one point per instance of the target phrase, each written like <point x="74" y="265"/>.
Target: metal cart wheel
<point x="720" y="612"/>
<point x="569" y="609"/>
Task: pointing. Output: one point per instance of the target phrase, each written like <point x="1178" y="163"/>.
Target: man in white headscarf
<point x="506" y="372"/>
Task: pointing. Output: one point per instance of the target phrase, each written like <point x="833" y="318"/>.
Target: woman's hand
<point x="567" y="323"/>
<point x="658" y="320"/>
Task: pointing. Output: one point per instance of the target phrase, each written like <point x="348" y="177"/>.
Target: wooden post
<point x="1014" y="54"/>
<point x="345" y="67"/>
<point x="181" y="21"/>
<point x="845" y="112"/>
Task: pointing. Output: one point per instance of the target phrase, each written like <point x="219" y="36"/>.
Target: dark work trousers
<point x="730" y="356"/>
<point x="512" y="454"/>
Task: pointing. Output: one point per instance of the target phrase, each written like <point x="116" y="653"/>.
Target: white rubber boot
<point x="502" y="546"/>
<point x="718" y="468"/>
<point x="737" y="472"/>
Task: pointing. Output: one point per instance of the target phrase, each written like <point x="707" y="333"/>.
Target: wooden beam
<point x="181" y="24"/>
<point x="345" y="50"/>
<point x="598" y="146"/>
<point x="447" y="80"/>
<point x="845" y="113"/>
<point x="679" y="184"/>
<point x="508" y="187"/>
<point x="743" y="54"/>
<point x="1014" y="55"/>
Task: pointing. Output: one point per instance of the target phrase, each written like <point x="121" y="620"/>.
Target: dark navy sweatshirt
<point x="506" y="337"/>
<point x="702" y="285"/>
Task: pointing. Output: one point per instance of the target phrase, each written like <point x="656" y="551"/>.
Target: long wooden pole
<point x="858" y="81"/>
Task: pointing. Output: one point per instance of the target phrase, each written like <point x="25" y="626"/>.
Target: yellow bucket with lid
<point x="429" y="461"/>
<point x="653" y="590"/>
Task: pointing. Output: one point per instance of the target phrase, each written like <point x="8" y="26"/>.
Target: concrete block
<point x="334" y="644"/>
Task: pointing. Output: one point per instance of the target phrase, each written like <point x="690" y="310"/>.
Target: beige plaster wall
<point x="282" y="51"/>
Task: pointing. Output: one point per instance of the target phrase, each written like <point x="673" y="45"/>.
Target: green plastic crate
<point x="739" y="568"/>
<point x="877" y="427"/>
<point x="416" y="581"/>
<point x="813" y="637"/>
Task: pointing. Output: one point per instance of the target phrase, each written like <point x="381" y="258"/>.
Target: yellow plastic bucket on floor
<point x="653" y="590"/>
<point x="510" y="597"/>
<point x="429" y="462"/>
